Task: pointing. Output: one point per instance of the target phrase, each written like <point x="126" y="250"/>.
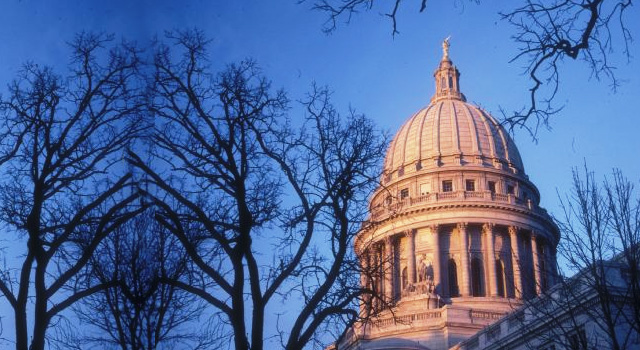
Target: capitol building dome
<point x="451" y="132"/>
<point x="455" y="238"/>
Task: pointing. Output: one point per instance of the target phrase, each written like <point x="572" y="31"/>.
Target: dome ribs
<point x="395" y="151"/>
<point x="455" y="130"/>
<point x="473" y="132"/>
<point x="503" y="138"/>
<point x="410" y="144"/>
<point x="489" y="133"/>
<point x="419" y="132"/>
<point x="435" y="139"/>
<point x="451" y="132"/>
<point x="446" y="131"/>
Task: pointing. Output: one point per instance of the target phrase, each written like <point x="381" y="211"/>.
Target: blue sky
<point x="388" y="78"/>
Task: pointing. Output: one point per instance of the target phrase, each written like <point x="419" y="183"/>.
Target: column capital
<point x="434" y="228"/>
<point x="410" y="233"/>
<point x="513" y="230"/>
<point x="488" y="227"/>
<point x="462" y="226"/>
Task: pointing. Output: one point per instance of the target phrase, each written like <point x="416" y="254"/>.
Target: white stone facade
<point x="568" y="316"/>
<point x="455" y="238"/>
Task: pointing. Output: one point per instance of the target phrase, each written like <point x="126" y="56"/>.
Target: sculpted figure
<point x="430" y="285"/>
<point x="422" y="270"/>
<point x="445" y="47"/>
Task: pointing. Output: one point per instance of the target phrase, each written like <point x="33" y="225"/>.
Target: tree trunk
<point x="21" y="329"/>
<point x="41" y="318"/>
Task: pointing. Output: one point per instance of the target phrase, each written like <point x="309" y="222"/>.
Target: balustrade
<point x="383" y="210"/>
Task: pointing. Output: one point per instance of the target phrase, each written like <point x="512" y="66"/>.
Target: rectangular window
<point x="470" y="185"/>
<point x="492" y="186"/>
<point x="404" y="193"/>
<point x="424" y="188"/>
<point x="447" y="186"/>
<point x="510" y="189"/>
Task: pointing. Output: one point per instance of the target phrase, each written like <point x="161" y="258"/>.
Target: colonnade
<point x="478" y="274"/>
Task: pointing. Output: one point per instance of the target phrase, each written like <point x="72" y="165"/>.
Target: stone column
<point x="388" y="269"/>
<point x="376" y="275"/>
<point x="536" y="264"/>
<point x="465" y="289"/>
<point x="411" y="258"/>
<point x="491" y="260"/>
<point x="364" y="281"/>
<point x="437" y="278"/>
<point x="515" y="261"/>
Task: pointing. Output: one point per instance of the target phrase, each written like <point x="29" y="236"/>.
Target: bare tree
<point x="266" y="211"/>
<point x="61" y="193"/>
<point x="597" y="307"/>
<point x="140" y="313"/>
<point x="600" y="226"/>
<point x="547" y="32"/>
<point x="624" y="206"/>
<point x="343" y="10"/>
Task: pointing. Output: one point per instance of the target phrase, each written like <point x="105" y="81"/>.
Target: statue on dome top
<point x="445" y="47"/>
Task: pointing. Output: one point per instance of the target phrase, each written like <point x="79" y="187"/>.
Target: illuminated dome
<point x="455" y="237"/>
<point x="450" y="132"/>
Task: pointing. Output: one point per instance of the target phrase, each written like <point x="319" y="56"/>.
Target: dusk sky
<point x="387" y="78"/>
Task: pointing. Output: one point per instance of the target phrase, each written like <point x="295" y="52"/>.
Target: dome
<point x="450" y="132"/>
<point x="455" y="235"/>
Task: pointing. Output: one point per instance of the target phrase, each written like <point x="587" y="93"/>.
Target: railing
<point x="486" y="314"/>
<point x="447" y="195"/>
<point x="395" y="207"/>
<point x="408" y="319"/>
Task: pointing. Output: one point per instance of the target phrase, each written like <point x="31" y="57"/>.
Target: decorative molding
<point x="410" y="233"/>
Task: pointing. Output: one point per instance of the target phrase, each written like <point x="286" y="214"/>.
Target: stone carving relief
<point x="425" y="269"/>
<point x="425" y="284"/>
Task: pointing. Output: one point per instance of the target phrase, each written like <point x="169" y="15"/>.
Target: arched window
<point x="450" y="83"/>
<point x="543" y="274"/>
<point x="476" y="277"/>
<point x="529" y="282"/>
<point x="543" y="267"/>
<point x="500" y="277"/>
<point x="454" y="291"/>
<point x="405" y="278"/>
